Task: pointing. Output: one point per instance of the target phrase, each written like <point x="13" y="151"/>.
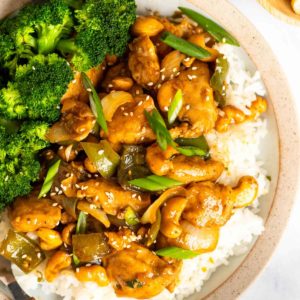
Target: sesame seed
<point x="207" y="98"/>
<point x="162" y="70"/>
<point x="56" y="189"/>
<point x="110" y="85"/>
<point x="55" y="204"/>
<point x="101" y="151"/>
<point x="187" y="59"/>
<point x="89" y="90"/>
<point x="163" y="77"/>
<point x="194" y="68"/>
<point x="150" y="83"/>
<point x="174" y="70"/>
<point x="33" y="67"/>
<point x="137" y="92"/>
<point x="142" y="138"/>
<point x="131" y="114"/>
<point x="77" y="186"/>
<point x="60" y="192"/>
<point x="159" y="86"/>
<point x="190" y="77"/>
<point x="39" y="255"/>
<point x="166" y="108"/>
<point x="77" y="270"/>
<point x="187" y="107"/>
<point x="139" y="197"/>
<point x="52" y="194"/>
<point x="140" y="103"/>
<point x="122" y="108"/>
<point x="24" y="255"/>
<point x="178" y="73"/>
<point x="88" y="265"/>
<point x="148" y="97"/>
<point x="125" y="114"/>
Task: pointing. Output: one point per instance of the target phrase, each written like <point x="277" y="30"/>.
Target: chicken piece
<point x="182" y="29"/>
<point x="200" y="240"/>
<point x="199" y="108"/>
<point x="182" y="168"/>
<point x="111" y="197"/>
<point x="77" y="91"/>
<point x="184" y="130"/>
<point x="119" y="70"/>
<point x="75" y="124"/>
<point x="211" y="204"/>
<point x="208" y="204"/>
<point x="129" y="124"/>
<point x="29" y="214"/>
<point x="143" y="62"/>
<point x="138" y="273"/>
<point x="121" y="239"/>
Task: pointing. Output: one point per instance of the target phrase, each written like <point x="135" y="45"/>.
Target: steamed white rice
<point x="238" y="149"/>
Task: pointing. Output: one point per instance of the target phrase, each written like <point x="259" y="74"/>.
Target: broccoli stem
<point x="66" y="46"/>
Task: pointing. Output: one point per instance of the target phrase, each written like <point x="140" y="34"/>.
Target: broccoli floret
<point x="34" y="29"/>
<point x="37" y="89"/>
<point x="19" y="166"/>
<point x="103" y="28"/>
<point x="50" y="21"/>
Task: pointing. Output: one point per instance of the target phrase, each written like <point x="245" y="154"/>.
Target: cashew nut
<point x="147" y="26"/>
<point x="92" y="273"/>
<point x="171" y="214"/>
<point x="66" y="234"/>
<point x="49" y="239"/>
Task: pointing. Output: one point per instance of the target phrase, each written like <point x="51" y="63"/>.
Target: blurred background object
<point x="286" y="10"/>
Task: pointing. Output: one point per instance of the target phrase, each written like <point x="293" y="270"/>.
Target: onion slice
<point x="113" y="101"/>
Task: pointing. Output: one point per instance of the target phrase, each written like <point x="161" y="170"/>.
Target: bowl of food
<point x="286" y="10"/>
<point x="146" y="151"/>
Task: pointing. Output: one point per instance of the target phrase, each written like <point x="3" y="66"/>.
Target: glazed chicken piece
<point x="118" y="71"/>
<point x="199" y="108"/>
<point x="30" y="213"/>
<point x="77" y="91"/>
<point x="129" y="124"/>
<point x="143" y="62"/>
<point x="137" y="272"/>
<point x="181" y="29"/>
<point x="211" y="204"/>
<point x="75" y="124"/>
<point x="182" y="168"/>
<point x="111" y="197"/>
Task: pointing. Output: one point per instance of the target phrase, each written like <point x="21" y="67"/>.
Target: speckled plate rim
<point x="289" y="134"/>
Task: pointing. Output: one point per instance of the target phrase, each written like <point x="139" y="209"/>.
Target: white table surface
<point x="281" y="278"/>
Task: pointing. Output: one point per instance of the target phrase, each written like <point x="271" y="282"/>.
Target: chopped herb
<point x="269" y="177"/>
<point x="134" y="284"/>
<point x="177" y="253"/>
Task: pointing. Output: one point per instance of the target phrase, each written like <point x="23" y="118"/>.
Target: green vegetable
<point x="184" y="46"/>
<point x="218" y="80"/>
<point x="95" y="102"/>
<point x="34" y="29"/>
<point x="10" y="126"/>
<point x="134" y="284"/>
<point x="22" y="251"/>
<point x="90" y="247"/>
<point x="76" y="261"/>
<point x="155" y="183"/>
<point x="158" y="125"/>
<point x="175" y="107"/>
<point x="177" y="253"/>
<point x="52" y="171"/>
<point x="81" y="223"/>
<point x="70" y="206"/>
<point x="219" y="33"/>
<point x="103" y="157"/>
<point x="19" y="166"/>
<point x="154" y="229"/>
<point x="102" y="28"/>
<point x="132" y="165"/>
<point x="193" y="146"/>
<point x="131" y="217"/>
<point x="37" y="89"/>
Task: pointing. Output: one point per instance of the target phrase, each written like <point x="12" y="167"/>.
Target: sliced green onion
<point x="219" y="33"/>
<point x="175" y="107"/>
<point x="218" y="80"/>
<point x="159" y="127"/>
<point x="81" y="223"/>
<point x="76" y="260"/>
<point x="184" y="46"/>
<point x="155" y="183"/>
<point x="52" y="171"/>
<point x="177" y="253"/>
<point x="131" y="217"/>
<point x="134" y="284"/>
<point x="95" y="102"/>
<point x="193" y="146"/>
